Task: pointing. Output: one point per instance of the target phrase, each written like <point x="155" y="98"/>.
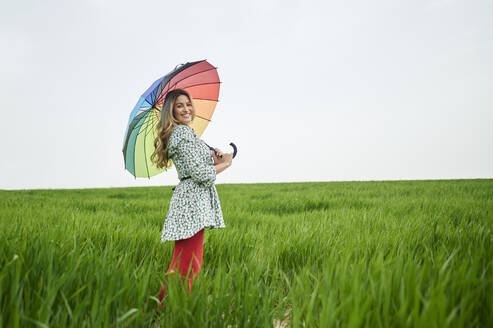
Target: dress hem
<point x="204" y="227"/>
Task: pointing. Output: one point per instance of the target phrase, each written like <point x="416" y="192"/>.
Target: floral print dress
<point x="195" y="203"/>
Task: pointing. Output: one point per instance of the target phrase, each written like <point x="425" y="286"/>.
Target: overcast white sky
<point x="311" y="90"/>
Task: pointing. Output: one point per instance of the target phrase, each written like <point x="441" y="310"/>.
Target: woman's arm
<point x="223" y="163"/>
<point x="188" y="149"/>
<point x="221" y="167"/>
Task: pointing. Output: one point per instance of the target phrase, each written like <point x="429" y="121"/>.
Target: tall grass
<point x="340" y="254"/>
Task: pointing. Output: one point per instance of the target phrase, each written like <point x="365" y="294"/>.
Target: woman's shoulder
<point x="179" y="133"/>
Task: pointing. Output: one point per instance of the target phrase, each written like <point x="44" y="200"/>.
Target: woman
<point x="194" y="204"/>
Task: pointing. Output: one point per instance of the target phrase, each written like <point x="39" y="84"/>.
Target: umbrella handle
<point x="235" y="150"/>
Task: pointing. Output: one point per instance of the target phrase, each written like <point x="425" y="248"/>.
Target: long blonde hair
<point x="167" y="124"/>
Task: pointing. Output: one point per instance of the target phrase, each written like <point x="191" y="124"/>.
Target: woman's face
<point x="183" y="109"/>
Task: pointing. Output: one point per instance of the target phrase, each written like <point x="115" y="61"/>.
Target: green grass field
<point x="338" y="254"/>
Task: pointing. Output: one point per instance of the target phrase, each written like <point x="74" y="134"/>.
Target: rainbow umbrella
<point x="200" y="80"/>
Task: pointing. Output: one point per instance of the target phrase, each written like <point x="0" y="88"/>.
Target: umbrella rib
<point x="139" y="111"/>
<point x="145" y="130"/>
<point x="197" y="98"/>
<point x="154" y="94"/>
<point x="144" y="126"/>
<point x="200" y="72"/>
<point x="202" y="83"/>
<point x="129" y="132"/>
<point x="169" y="84"/>
<point x="176" y="72"/>
<point x="135" y="171"/>
<point x="145" y="152"/>
<point x="199" y="84"/>
<point x="207" y="70"/>
<point x="202" y="118"/>
<point x="206" y="99"/>
<point x="139" y="125"/>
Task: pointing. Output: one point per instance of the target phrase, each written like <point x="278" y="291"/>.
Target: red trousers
<point x="187" y="252"/>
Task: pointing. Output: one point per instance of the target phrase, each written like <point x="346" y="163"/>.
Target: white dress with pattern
<point x="195" y="203"/>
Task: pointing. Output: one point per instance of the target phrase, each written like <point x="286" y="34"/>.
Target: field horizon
<point x="256" y="183"/>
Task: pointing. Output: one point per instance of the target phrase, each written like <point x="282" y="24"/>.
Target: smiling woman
<point x="170" y="118"/>
<point x="195" y="203"/>
<point x="183" y="109"/>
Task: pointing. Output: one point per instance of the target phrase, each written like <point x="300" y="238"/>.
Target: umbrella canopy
<point x="200" y="80"/>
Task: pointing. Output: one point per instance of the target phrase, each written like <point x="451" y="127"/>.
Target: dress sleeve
<point x="189" y="148"/>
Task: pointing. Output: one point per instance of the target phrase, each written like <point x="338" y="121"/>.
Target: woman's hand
<point x="216" y="155"/>
<point x="225" y="158"/>
<point x="224" y="162"/>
